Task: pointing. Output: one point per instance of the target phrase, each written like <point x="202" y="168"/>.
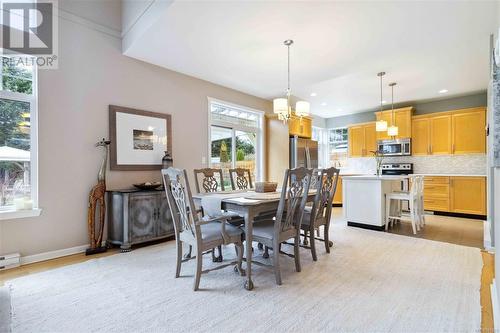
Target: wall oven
<point x="396" y="147"/>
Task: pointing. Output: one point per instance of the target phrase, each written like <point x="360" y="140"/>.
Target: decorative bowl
<point x="262" y="187"/>
<point x="147" y="186"/>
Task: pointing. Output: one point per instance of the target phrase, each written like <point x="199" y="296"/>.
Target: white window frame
<point x="8" y="214"/>
<point x="234" y="127"/>
<point x="337" y="128"/>
<point x="323" y="147"/>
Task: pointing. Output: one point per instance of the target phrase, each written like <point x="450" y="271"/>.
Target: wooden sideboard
<point x="136" y="217"/>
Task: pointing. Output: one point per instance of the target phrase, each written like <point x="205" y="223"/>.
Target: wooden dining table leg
<point x="249" y="215"/>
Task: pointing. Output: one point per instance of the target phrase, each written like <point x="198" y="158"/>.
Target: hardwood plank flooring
<point x="487" y="276"/>
<point x="50" y="264"/>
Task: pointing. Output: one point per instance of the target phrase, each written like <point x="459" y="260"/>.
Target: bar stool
<point x="415" y="197"/>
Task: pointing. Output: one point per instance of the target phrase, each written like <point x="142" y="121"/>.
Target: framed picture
<point x="139" y="138"/>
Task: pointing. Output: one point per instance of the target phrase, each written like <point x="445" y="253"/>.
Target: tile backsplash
<point x="438" y="164"/>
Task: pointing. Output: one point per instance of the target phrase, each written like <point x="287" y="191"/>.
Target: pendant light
<point x="282" y="106"/>
<point x="381" y="125"/>
<point x="393" y="129"/>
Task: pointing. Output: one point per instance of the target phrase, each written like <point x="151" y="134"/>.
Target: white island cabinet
<point x="364" y="199"/>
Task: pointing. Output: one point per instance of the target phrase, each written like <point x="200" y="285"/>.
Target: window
<point x="18" y="136"/>
<point x="319" y="134"/>
<point x="235" y="139"/>
<point x="337" y="146"/>
<point x="337" y="138"/>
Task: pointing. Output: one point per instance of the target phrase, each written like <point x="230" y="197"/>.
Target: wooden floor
<point x="461" y="231"/>
<point x="447" y="229"/>
<point x="49" y="264"/>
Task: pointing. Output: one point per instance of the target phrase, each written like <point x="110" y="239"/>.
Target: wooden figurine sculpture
<point x="97" y="200"/>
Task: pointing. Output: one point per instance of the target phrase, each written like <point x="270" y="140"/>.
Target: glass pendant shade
<point x="381" y="126"/>
<point x="392" y="130"/>
<point x="280" y="105"/>
<point x="302" y="108"/>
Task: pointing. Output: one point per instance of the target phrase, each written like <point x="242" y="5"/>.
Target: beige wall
<point x="73" y="115"/>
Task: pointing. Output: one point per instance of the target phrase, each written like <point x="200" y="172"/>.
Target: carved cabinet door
<point x="165" y="223"/>
<point x="142" y="216"/>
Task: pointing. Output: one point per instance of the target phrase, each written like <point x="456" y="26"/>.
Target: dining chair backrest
<point x="293" y="198"/>
<point x="417" y="186"/>
<point x="316" y="174"/>
<point x="180" y="201"/>
<point x="241" y="179"/>
<point x="208" y="180"/>
<point x="325" y="191"/>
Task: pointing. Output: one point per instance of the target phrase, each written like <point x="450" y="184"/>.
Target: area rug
<point x="370" y="282"/>
<point x="4" y="310"/>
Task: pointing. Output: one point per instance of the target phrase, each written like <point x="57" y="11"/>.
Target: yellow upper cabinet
<point x="362" y="140"/>
<point x="421" y="136"/>
<point x="356" y="141"/>
<point x="469" y="131"/>
<point x="301" y="127"/>
<point x="370" y="139"/>
<point x="402" y="119"/>
<point x="440" y="139"/>
<point x="384" y="115"/>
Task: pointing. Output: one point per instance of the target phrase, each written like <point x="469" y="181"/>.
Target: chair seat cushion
<point x="264" y="229"/>
<point x="212" y="231"/>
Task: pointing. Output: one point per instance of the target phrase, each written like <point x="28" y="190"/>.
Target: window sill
<point x="19" y="214"/>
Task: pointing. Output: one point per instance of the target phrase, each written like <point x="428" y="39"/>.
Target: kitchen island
<point x="364" y="199"/>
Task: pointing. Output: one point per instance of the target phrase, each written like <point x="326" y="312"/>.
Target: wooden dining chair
<point x="241" y="179"/>
<point x="314" y="181"/>
<point x="273" y="232"/>
<point x="319" y="214"/>
<point x="209" y="182"/>
<point x="203" y="234"/>
<point x="207" y="178"/>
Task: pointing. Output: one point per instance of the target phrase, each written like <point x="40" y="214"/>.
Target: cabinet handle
<point x="453" y="148"/>
<point x="430" y="148"/>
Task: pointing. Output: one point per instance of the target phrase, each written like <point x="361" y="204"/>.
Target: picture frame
<point x="138" y="138"/>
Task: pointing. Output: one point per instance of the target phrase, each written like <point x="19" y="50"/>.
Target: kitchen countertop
<point x="375" y="177"/>
<point x="447" y="175"/>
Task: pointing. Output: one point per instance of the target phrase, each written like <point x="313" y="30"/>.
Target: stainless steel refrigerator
<point x="303" y="153"/>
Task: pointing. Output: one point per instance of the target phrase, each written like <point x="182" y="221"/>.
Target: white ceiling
<point x="339" y="47"/>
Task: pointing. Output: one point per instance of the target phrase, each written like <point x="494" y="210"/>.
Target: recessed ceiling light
<point x="339" y="110"/>
<point x="383" y="102"/>
<point x="323" y="104"/>
<point x="313" y="94"/>
<point x="443" y="91"/>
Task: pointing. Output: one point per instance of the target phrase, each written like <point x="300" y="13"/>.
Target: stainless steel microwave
<point x="395" y="147"/>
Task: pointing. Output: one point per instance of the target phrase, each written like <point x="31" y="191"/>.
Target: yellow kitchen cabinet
<point x="370" y="139"/>
<point x="402" y="119"/>
<point x="468" y="195"/>
<point x="356" y="141"/>
<point x="362" y="140"/>
<point x="440" y="135"/>
<point x="437" y="193"/>
<point x="302" y="127"/>
<point x="468" y="131"/>
<point x="387" y="116"/>
<point x="337" y="198"/>
<point x="421" y="136"/>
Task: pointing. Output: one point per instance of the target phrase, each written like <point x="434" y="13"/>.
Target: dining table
<point x="247" y="204"/>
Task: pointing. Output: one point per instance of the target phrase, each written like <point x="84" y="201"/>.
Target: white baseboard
<point x="53" y="254"/>
<point x="495" y="304"/>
